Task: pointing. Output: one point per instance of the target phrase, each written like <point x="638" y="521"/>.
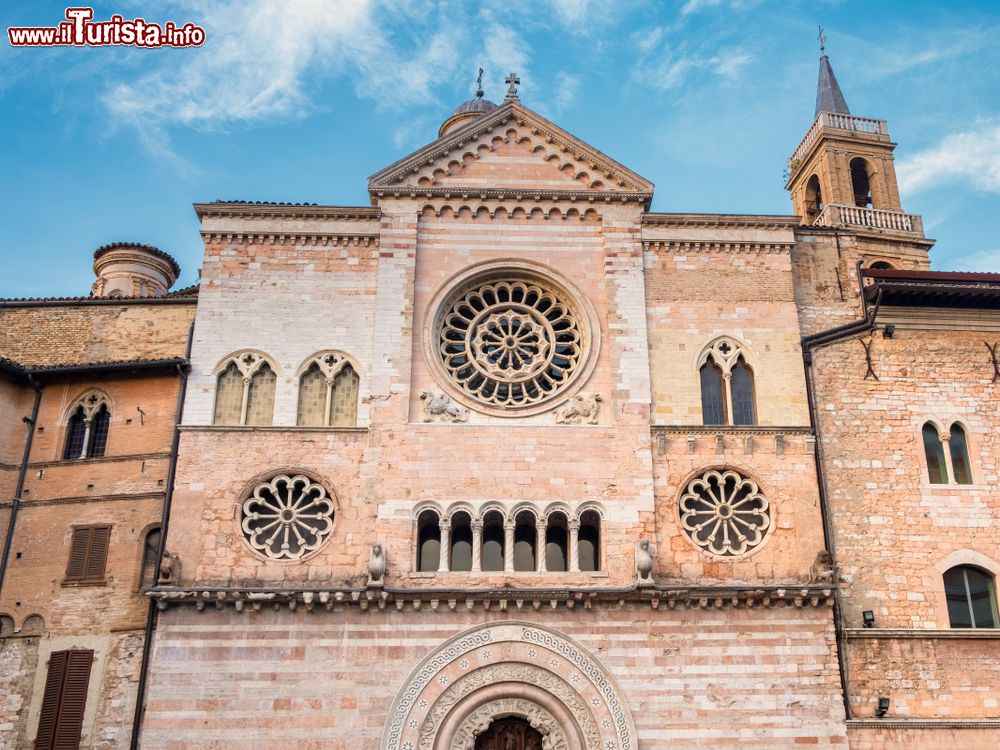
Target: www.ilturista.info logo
<point x="79" y="30"/>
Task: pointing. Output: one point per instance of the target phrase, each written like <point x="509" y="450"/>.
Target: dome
<point x="477" y="105"/>
<point x="467" y="111"/>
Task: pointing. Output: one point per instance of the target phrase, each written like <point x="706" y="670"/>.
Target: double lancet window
<point x="519" y="541"/>
<point x="727" y="384"/>
<point x="328" y="391"/>
<point x="87" y="428"/>
<point x="245" y="390"/>
<point x="947" y="454"/>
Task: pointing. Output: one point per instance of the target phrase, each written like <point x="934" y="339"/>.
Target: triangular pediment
<point x="509" y="149"/>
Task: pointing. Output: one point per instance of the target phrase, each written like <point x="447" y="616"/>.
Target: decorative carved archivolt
<point x="725" y="513"/>
<point x="574" y="695"/>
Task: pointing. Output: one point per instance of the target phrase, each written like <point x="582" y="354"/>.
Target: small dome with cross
<point x="468" y="111"/>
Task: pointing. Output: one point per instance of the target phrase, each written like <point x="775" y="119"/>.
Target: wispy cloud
<point x="984" y="261"/>
<point x="666" y="64"/>
<point x="971" y="157"/>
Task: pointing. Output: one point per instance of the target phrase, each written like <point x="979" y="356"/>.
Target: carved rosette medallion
<point x="725" y="513"/>
<point x="561" y="691"/>
<point x="511" y="340"/>
<point x="287" y="517"/>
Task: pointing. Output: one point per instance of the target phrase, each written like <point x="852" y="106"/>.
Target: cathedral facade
<point x="506" y="461"/>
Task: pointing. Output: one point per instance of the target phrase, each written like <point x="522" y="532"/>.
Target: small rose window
<point x="725" y="513"/>
<point x="287" y="517"/>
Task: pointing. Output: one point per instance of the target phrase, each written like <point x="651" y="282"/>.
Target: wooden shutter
<point x="98" y="555"/>
<point x="50" y="701"/>
<point x="74" y="699"/>
<point x="78" y="548"/>
<point x="88" y="553"/>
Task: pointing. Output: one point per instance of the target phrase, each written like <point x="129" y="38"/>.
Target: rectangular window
<point x="88" y="553"/>
<point x="61" y="721"/>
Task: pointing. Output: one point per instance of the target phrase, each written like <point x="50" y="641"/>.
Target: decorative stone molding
<point x="724" y="513"/>
<point x="539" y="719"/>
<point x="276" y="237"/>
<point x="581" y="409"/>
<point x="438" y="407"/>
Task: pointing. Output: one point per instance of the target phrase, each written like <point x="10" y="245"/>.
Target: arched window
<point x="87" y="428"/>
<point x="428" y="542"/>
<point x="814" y="199"/>
<point x="727" y="385"/>
<point x="557" y="543"/>
<point x="741" y="385"/>
<point x="244" y="392"/>
<point x="328" y="392"/>
<point x="971" y="595"/>
<point x="493" y="541"/>
<point x="461" y="542"/>
<point x="150" y="548"/>
<point x="861" y="183"/>
<point x="882" y="265"/>
<point x="937" y="472"/>
<point x="525" y="536"/>
<point x="589" y="541"/>
<point x="959" y="449"/>
<point x="713" y="395"/>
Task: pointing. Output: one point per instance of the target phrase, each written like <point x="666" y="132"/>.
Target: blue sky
<point x="303" y="100"/>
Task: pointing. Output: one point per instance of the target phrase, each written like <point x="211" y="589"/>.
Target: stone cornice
<point x="705" y="246"/>
<point x="516" y="195"/>
<point x="501" y="599"/>
<point x="266" y="428"/>
<point x="286" y="211"/>
<point x="923" y="723"/>
<point x="27" y="502"/>
<point x="274" y="237"/>
<point x="70" y="462"/>
<point x="721" y="429"/>
<point x="923" y="634"/>
<point x="756" y="221"/>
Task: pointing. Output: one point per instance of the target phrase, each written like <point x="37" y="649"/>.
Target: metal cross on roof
<point x="479" y="84"/>
<point x="822" y="40"/>
<point x="513" y="80"/>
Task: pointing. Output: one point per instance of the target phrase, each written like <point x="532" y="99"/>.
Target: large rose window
<point x="725" y="513"/>
<point x="287" y="517"/>
<point x="511" y="340"/>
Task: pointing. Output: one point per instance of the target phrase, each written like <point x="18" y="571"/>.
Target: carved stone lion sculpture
<point x="581" y="409"/>
<point x="376" y="567"/>
<point x="644" y="563"/>
<point x="438" y="407"/>
<point x="170" y="570"/>
<point x="821" y="570"/>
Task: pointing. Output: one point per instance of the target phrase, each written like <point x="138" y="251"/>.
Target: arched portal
<point x="509" y="674"/>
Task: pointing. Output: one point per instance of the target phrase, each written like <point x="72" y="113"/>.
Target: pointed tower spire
<point x="829" y="97"/>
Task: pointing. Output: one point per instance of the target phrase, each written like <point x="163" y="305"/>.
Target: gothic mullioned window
<point x="511" y="340"/>
<point x="287" y="517"/>
<point x="725" y="513"/>
<point x="946" y="464"/>
<point x="972" y="598"/>
<point x="328" y="392"/>
<point x="245" y="390"/>
<point x="727" y="385"/>
<point x="87" y="429"/>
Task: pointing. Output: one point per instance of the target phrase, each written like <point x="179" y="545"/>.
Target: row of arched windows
<point x="947" y="454"/>
<point x="328" y="390"/>
<point x="526" y="541"/>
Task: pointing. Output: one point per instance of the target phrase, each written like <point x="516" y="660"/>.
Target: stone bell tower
<point x="842" y="175"/>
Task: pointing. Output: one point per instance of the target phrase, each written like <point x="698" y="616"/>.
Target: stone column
<point x="574" y="542"/>
<point x="445" y="545"/>
<point x="946" y="449"/>
<point x="477" y="546"/>
<point x="540" y="545"/>
<point x="508" y="547"/>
